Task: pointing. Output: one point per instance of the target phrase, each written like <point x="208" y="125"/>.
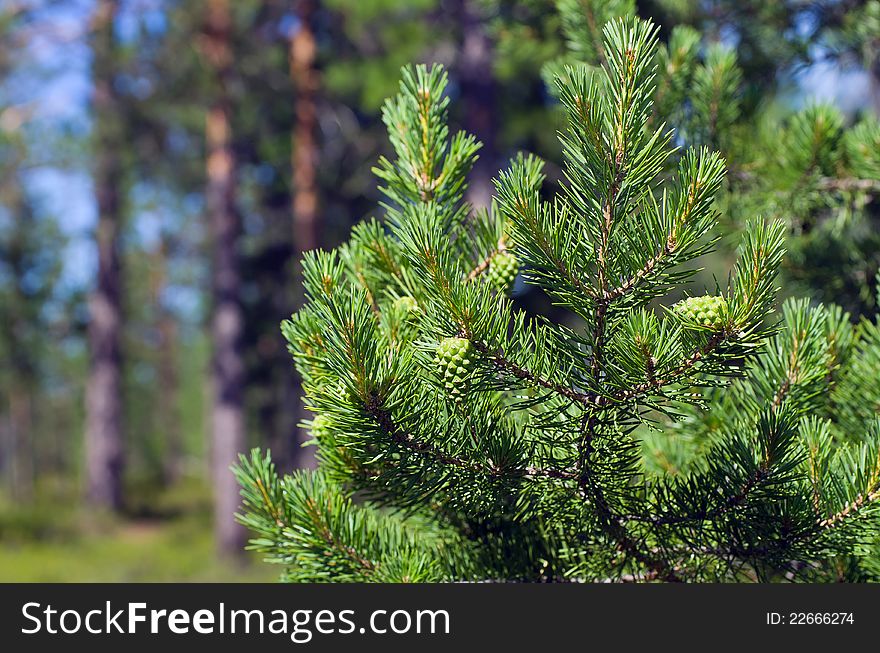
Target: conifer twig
<point x="498" y="359"/>
<point x="851" y="508"/>
<point x="483" y="265"/>
<point x="384" y="419"/>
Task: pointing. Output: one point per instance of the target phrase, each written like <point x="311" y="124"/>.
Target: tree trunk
<point x="303" y="51"/>
<point x="166" y="329"/>
<point x="306" y="233"/>
<point x="478" y="90"/>
<point x="227" y="323"/>
<point x="21" y="456"/>
<point x="103" y="439"/>
<point x="874" y="85"/>
<point x="17" y="454"/>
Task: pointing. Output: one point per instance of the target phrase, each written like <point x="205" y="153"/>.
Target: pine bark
<point x="304" y="183"/>
<point x="305" y="210"/>
<point x="166" y="364"/>
<point x="104" y="437"/>
<point x="478" y="94"/>
<point x="227" y="321"/>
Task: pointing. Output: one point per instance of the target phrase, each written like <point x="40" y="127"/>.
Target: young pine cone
<point x="455" y="361"/>
<point x="503" y="269"/>
<point x="705" y="312"/>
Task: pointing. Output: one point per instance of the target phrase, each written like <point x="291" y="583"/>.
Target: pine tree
<point x="30" y="254"/>
<point x="460" y="438"/>
<point x="823" y="177"/>
<point x="808" y="168"/>
<point x="104" y="413"/>
<point x="228" y="436"/>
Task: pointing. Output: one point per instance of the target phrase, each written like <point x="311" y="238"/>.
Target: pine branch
<point x="407" y="440"/>
<point x="728" y="504"/>
<point x="498" y="359"/>
<point x="672" y="376"/>
<point x="851" y="508"/>
<point x="368" y="566"/>
<point x="641" y="274"/>
<point x="848" y="184"/>
<point x="484" y="264"/>
<point x="613" y="525"/>
<point x="524" y="449"/>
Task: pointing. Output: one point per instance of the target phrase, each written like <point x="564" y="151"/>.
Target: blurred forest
<point x="163" y="165"/>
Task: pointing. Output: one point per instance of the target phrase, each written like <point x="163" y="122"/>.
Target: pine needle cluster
<point x="462" y="439"/>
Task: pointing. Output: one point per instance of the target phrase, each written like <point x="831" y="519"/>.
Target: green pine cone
<point x="706" y="312"/>
<point x="344" y="393"/>
<point x="455" y="359"/>
<point x="320" y="427"/>
<point x="503" y="269"/>
<point x="406" y="304"/>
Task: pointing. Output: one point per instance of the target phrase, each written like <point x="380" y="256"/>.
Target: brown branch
<point x="497" y="358"/>
<point x="614" y="526"/>
<point x="538" y="472"/>
<point x="646" y="269"/>
<point x="483" y="265"/>
<point x="669" y="377"/>
<point x="324" y="531"/>
<point x="401" y="437"/>
<point x="593" y="399"/>
<point x="850" y="508"/>
<point x="611" y="523"/>
<point x="854" y="506"/>
<point x="726" y="506"/>
<point x="829" y="183"/>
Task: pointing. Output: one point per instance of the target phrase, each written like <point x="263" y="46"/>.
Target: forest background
<point x="163" y="165"/>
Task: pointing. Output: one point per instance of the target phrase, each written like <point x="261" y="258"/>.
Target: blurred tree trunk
<point x="22" y="381"/>
<point x="21" y="455"/>
<point x="103" y="439"/>
<point x="303" y="54"/>
<point x="166" y="329"/>
<point x="478" y="89"/>
<point x="305" y="153"/>
<point x="227" y="323"/>
<point x="874" y="73"/>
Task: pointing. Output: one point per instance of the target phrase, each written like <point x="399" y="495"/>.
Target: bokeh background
<point x="163" y="164"/>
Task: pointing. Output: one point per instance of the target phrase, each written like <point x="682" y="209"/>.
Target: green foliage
<point x="823" y="180"/>
<point x="815" y="373"/>
<point x="317" y="532"/>
<point x="536" y="467"/>
<point x="389" y="33"/>
<point x="582" y="22"/>
<point x="714" y="92"/>
<point x="697" y="92"/>
<point x="806" y="168"/>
